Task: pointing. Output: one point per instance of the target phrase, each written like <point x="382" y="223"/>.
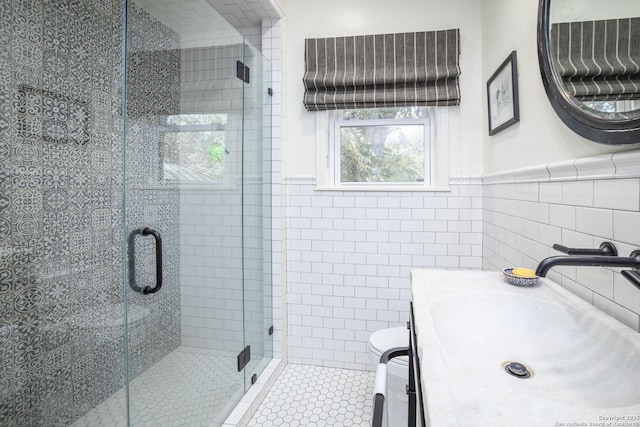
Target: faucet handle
<point x="606" y="249"/>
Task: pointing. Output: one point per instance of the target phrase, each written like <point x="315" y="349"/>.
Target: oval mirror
<point x="589" y="54"/>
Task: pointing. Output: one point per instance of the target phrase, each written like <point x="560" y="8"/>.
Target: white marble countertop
<point x="462" y="384"/>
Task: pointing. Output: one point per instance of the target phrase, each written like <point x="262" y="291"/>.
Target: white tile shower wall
<point x="223" y="239"/>
<point x="578" y="203"/>
<point x="216" y="252"/>
<point x="349" y="255"/>
<point x="212" y="219"/>
<point x="257" y="204"/>
<point x="208" y="83"/>
<point x="273" y="33"/>
<point x="211" y="265"/>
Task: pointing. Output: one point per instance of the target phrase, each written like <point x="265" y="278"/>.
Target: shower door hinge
<point x="244" y="357"/>
<point x="270" y="92"/>
<point x="243" y="72"/>
<point x="270" y="330"/>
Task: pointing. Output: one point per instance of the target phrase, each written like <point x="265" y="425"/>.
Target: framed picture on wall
<point x="502" y="96"/>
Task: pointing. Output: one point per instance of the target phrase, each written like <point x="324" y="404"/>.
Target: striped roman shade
<point x="386" y="70"/>
<point x="598" y="60"/>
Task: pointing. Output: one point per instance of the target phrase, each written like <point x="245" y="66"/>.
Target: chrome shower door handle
<point x="132" y="267"/>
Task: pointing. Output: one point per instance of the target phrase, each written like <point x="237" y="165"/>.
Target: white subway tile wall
<point x="273" y="33"/>
<point x="577" y="204"/>
<point x="349" y="255"/>
<point x="211" y="265"/>
<point x="212" y="294"/>
<point x="272" y="42"/>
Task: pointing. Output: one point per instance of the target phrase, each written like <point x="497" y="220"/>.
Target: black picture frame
<point x="502" y="96"/>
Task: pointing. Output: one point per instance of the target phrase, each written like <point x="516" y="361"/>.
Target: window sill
<point x="385" y="188"/>
<point x="206" y="186"/>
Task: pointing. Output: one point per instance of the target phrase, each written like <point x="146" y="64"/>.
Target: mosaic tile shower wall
<point x="61" y="209"/>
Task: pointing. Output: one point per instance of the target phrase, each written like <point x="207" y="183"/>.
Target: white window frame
<point x="328" y="124"/>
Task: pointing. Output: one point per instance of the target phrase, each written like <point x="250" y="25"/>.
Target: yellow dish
<point x="523" y="272"/>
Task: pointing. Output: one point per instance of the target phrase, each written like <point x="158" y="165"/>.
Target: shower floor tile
<point x="317" y="396"/>
<point x="188" y="387"/>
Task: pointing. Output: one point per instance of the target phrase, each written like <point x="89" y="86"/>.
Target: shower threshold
<point x="189" y="386"/>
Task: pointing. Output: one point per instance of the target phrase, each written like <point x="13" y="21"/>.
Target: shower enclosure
<point x="135" y="226"/>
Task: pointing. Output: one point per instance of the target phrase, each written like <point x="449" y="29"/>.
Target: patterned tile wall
<point x="61" y="209"/>
<point x="153" y="94"/>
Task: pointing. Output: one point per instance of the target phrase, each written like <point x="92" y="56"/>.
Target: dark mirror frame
<point x="570" y="110"/>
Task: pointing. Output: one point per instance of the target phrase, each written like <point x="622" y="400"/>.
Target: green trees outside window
<point x="376" y="146"/>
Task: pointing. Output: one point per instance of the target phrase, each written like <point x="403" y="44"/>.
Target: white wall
<point x="548" y="185"/>
<point x="540" y="136"/>
<point x="349" y="253"/>
<point x="333" y="18"/>
<point x="329" y="271"/>
<point x="278" y="4"/>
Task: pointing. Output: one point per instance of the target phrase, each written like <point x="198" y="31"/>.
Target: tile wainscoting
<point x="578" y="203"/>
<point x="349" y="255"/>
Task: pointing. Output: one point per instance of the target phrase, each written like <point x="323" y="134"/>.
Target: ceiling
<point x="202" y="16"/>
<point x="247" y="13"/>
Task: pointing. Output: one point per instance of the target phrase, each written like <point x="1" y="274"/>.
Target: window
<point x="614" y="106"/>
<point x="194" y="149"/>
<point x="367" y="142"/>
<point x="381" y="146"/>
<point x="383" y="149"/>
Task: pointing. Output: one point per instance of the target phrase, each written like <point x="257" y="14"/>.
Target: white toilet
<point x="397" y="370"/>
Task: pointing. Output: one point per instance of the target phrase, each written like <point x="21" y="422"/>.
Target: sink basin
<point x="583" y="365"/>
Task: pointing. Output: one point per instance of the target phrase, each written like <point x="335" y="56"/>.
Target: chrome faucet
<point x="632" y="261"/>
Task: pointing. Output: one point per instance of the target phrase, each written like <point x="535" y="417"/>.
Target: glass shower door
<point x="134" y="214"/>
<point x="184" y="213"/>
<point x="257" y="239"/>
